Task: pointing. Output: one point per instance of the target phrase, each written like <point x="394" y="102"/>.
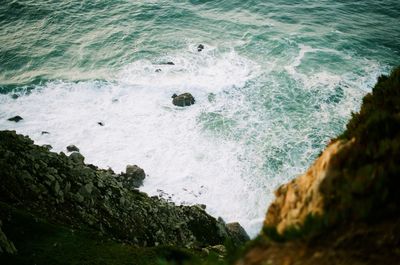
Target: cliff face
<point x="302" y="197"/>
<point x="348" y="201"/>
<point x="356" y="177"/>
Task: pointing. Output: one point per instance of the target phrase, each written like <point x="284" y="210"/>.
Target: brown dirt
<point x="357" y="244"/>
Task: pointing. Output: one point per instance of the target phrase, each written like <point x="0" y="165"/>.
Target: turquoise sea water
<point x="276" y="80"/>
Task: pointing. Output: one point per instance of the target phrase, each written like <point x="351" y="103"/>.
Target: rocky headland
<point x="346" y="208"/>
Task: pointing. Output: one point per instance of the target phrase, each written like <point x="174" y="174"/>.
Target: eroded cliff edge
<point x="346" y="208"/>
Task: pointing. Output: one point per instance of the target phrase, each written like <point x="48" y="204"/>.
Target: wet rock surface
<point x="72" y="148"/>
<point x="183" y="100"/>
<point x="65" y="190"/>
<point x="16" y="118"/>
<point x="200" y="47"/>
<point x="133" y="176"/>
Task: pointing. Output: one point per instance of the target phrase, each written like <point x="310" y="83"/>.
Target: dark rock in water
<point x="200" y="47"/>
<point x="45" y="132"/>
<point x="158" y="70"/>
<point x="174" y="95"/>
<point x="183" y="100"/>
<point x="133" y="177"/>
<point x="167" y="63"/>
<point x="77" y="158"/>
<point x="16" y="118"/>
<point x="237" y="233"/>
<point x="47" y="146"/>
<point x="14" y="96"/>
<point x="72" y="148"/>
<point x="100" y="123"/>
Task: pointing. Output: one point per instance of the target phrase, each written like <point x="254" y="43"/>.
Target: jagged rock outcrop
<point x="65" y="190"/>
<point x="301" y="198"/>
<point x="346" y="208"/>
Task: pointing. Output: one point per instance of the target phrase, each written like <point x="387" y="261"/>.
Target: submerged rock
<point x="185" y="99"/>
<point x="16" y="118"/>
<point x="72" y="148"/>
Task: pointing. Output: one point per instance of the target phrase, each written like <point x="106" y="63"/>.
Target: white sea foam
<point x="142" y="127"/>
<point x="229" y="151"/>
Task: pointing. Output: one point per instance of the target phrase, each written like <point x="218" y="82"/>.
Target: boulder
<point x="185" y="99"/>
<point x="45" y="132"/>
<point x="47" y="146"/>
<point x="237" y="233"/>
<point x="100" y="123"/>
<point x="16" y="118"/>
<point x="133" y="176"/>
<point x="72" y="148"/>
<point x="77" y="158"/>
<point x="200" y="47"/>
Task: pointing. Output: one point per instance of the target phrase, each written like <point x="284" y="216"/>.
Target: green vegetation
<point x="363" y="180"/>
<point x="41" y="242"/>
<point x="364" y="184"/>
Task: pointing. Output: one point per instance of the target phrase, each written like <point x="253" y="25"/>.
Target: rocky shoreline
<point x="65" y="190"/>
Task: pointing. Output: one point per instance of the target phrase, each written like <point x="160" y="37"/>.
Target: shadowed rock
<point x="185" y="99"/>
<point x="16" y="118"/>
<point x="200" y="47"/>
<point x="237" y="233"/>
<point x="133" y="177"/>
<point x="72" y="148"/>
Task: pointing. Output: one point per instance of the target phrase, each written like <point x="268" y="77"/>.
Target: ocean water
<point x="276" y="80"/>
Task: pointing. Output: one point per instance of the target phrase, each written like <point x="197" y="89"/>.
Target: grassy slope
<point x="40" y="242"/>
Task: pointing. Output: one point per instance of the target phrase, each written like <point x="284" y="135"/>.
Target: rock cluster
<point x="68" y="191"/>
